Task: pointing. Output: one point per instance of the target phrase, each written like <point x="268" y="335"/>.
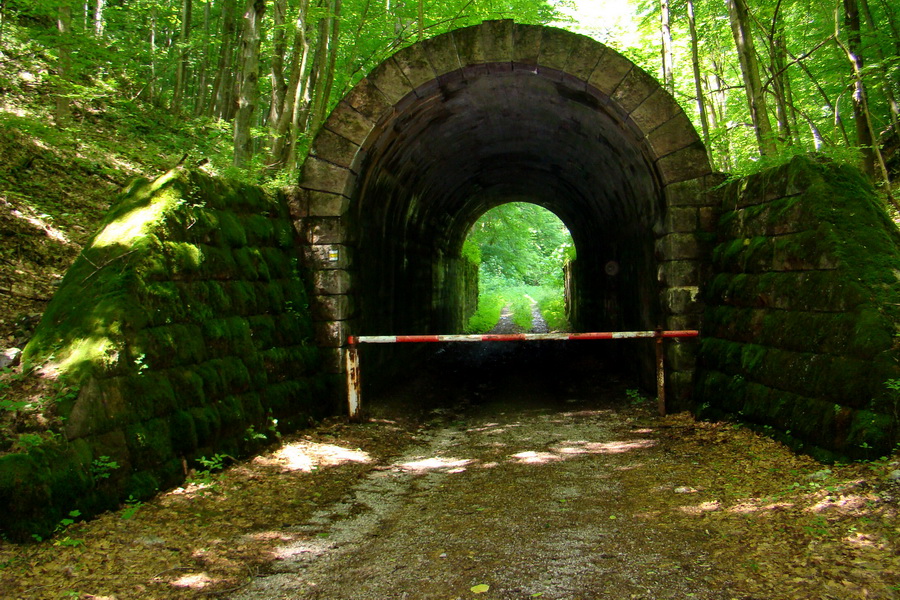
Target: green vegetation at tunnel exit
<point x="521" y="249"/>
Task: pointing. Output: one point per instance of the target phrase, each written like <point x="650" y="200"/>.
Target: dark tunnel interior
<point x="483" y="136"/>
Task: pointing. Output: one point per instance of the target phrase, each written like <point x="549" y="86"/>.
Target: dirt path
<point x="532" y="470"/>
<point x="526" y="500"/>
<point x="532" y="487"/>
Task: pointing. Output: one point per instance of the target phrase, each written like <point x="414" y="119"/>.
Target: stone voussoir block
<point x="679" y="273"/>
<point x="332" y="308"/>
<point x="324" y="204"/>
<point x="556" y="47"/>
<point x="323" y="176"/>
<point x="413" y="62"/>
<point x="442" y="54"/>
<point x="688" y="163"/>
<point x="469" y="45"/>
<point x="497" y="40"/>
<point x="331" y="334"/>
<point x="349" y="123"/>
<point x="390" y="81"/>
<point x="527" y="45"/>
<point x="324" y="230"/>
<point x="327" y="256"/>
<point x="331" y="282"/>
<point x="678" y="246"/>
<point x="609" y="72"/>
<point x="586" y="53"/>
<point x="635" y="87"/>
<point x="334" y="148"/>
<point x="658" y="108"/>
<point x="673" y="135"/>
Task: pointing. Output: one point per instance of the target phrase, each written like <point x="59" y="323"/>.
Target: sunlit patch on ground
<point x="756" y="506"/>
<point x="307" y="456"/>
<point x="701" y="508"/>
<point x="194" y="581"/>
<point x="430" y="464"/>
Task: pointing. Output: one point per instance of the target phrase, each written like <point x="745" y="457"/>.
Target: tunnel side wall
<point x="184" y="324"/>
<point x="799" y="331"/>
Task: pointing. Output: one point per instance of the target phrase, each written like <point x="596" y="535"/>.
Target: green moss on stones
<point x="184" y="321"/>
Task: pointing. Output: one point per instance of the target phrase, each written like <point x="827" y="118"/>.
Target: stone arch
<point x="453" y="125"/>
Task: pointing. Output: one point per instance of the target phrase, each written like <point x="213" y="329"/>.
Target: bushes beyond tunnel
<point x="184" y="326"/>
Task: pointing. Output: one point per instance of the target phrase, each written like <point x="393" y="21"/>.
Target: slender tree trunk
<point x="302" y="96"/>
<point x="759" y="114"/>
<point x="2" y="18"/>
<point x="892" y="23"/>
<point x="872" y="156"/>
<point x="281" y="132"/>
<point x="223" y="80"/>
<point x="181" y="71"/>
<point x="326" y="55"/>
<point x="861" y="116"/>
<point x="249" y="91"/>
<point x="64" y="64"/>
<point x="666" y="35"/>
<point x="203" y="75"/>
<point x="698" y="79"/>
<point x="887" y="82"/>
<point x="421" y="20"/>
<point x="279" y="49"/>
<point x="98" y="17"/>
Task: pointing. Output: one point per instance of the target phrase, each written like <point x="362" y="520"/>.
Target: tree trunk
<point x="759" y="114"/>
<point x="224" y="70"/>
<point x="326" y="55"/>
<point x="2" y="18"/>
<point x="249" y="90"/>
<point x="200" y="102"/>
<point x="279" y="48"/>
<point x="64" y="64"/>
<point x="887" y="82"/>
<point x="666" y="34"/>
<point x="181" y="71"/>
<point x="698" y="79"/>
<point x="861" y="117"/>
<point x="282" y="137"/>
<point x="98" y="17"/>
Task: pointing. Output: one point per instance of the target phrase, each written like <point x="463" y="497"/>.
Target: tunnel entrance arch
<point x="449" y="127"/>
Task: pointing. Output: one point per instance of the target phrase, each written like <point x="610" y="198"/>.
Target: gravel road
<point x="525" y="488"/>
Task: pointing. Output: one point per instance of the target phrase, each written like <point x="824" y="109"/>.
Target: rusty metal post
<point x="660" y="374"/>
<point x="354" y="389"/>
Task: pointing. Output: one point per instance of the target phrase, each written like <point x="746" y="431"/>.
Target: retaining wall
<point x="800" y="331"/>
<point x="185" y="324"/>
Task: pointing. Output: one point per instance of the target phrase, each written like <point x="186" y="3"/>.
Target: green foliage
<point x="102" y="467"/>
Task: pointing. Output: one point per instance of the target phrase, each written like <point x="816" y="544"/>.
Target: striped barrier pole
<point x="354" y="393"/>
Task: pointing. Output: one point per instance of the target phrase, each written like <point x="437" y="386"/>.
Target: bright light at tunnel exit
<point x="521" y="249"/>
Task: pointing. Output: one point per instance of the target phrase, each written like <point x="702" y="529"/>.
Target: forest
<point x="242" y="86"/>
<point x="250" y="82"/>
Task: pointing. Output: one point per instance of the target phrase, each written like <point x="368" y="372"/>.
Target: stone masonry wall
<point x="185" y="324"/>
<point x="800" y="331"/>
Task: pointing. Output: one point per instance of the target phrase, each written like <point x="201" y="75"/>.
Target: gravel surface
<point x="530" y="487"/>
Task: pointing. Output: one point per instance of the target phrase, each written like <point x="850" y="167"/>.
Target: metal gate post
<point x="660" y="374"/>
<point x="354" y="389"/>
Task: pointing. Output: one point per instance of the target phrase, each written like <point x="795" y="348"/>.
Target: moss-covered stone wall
<point x="800" y="331"/>
<point x="186" y="327"/>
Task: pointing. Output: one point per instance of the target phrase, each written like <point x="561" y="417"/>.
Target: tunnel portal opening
<point x="521" y="250"/>
<point x="451" y="127"/>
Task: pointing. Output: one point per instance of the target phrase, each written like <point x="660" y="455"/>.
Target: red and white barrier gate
<point x="354" y="402"/>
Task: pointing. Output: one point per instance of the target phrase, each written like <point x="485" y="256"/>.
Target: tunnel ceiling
<point x="487" y="136"/>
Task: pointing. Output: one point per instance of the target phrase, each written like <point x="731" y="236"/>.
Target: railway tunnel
<point x="455" y="125"/>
